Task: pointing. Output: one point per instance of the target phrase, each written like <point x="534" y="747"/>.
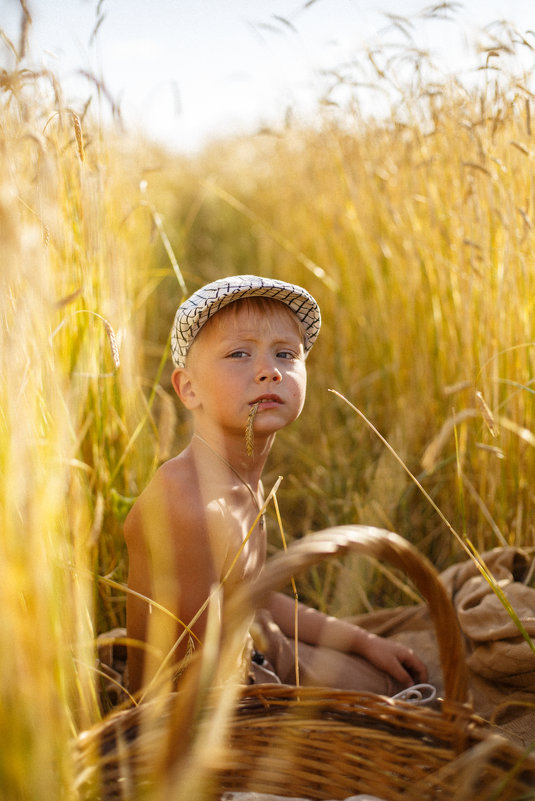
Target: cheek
<point x="300" y="384"/>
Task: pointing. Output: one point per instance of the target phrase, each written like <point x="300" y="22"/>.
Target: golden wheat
<point x="249" y="432"/>
<point x="416" y="234"/>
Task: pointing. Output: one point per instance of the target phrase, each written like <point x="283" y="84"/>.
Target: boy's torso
<point x="210" y="515"/>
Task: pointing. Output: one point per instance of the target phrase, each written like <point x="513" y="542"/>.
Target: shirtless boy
<point x="239" y="346"/>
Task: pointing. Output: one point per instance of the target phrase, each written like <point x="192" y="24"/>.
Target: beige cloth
<point x="497" y="649"/>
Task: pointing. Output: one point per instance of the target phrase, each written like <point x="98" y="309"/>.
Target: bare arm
<point x="316" y="628"/>
<point x="171" y="564"/>
<point x="137" y="609"/>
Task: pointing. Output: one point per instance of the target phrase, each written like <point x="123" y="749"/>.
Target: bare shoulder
<point x="170" y="501"/>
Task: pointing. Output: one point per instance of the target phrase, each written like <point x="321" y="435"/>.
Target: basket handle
<point x="384" y="546"/>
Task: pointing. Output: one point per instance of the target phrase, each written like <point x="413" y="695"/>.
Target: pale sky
<point x="188" y="70"/>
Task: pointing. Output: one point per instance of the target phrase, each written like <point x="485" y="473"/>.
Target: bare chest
<point x="238" y="543"/>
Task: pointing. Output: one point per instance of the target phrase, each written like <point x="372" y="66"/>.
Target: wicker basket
<point x="319" y="743"/>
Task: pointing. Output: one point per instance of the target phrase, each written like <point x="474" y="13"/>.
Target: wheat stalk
<point x="249" y="433"/>
<point x="78" y="134"/>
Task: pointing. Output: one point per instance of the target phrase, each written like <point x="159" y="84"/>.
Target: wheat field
<point x="414" y="231"/>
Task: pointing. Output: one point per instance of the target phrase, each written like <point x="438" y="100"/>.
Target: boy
<point x="239" y="347"/>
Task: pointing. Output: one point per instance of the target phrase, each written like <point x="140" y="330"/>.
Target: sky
<point x="187" y="71"/>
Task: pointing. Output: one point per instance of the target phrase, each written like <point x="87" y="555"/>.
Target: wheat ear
<point x="249" y="433"/>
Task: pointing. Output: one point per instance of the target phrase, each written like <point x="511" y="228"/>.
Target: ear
<point x="184" y="387"/>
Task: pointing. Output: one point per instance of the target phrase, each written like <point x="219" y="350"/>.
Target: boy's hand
<point x="397" y="660"/>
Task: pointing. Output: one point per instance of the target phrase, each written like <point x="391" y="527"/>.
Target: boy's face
<point x="247" y="354"/>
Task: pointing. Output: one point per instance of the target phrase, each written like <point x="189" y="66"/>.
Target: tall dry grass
<point x="80" y="432"/>
<point x="415" y="233"/>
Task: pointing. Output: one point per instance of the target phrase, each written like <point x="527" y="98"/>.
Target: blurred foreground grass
<point x="415" y="233"/>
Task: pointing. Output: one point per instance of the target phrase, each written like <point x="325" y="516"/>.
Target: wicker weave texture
<point x="315" y="743"/>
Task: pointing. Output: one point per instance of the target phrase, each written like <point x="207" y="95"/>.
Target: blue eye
<point x="286" y="354"/>
<point x="237" y="354"/>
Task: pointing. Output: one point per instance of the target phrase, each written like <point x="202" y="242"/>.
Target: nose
<point x="268" y="372"/>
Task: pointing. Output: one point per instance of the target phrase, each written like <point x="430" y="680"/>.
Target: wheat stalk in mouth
<point x="249" y="433"/>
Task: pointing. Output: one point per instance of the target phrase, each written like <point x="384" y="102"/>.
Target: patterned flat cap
<point x="207" y="301"/>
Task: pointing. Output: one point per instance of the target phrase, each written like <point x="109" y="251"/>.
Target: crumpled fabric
<point x="497" y="651"/>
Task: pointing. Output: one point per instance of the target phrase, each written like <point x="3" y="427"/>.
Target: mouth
<point x="266" y="399"/>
